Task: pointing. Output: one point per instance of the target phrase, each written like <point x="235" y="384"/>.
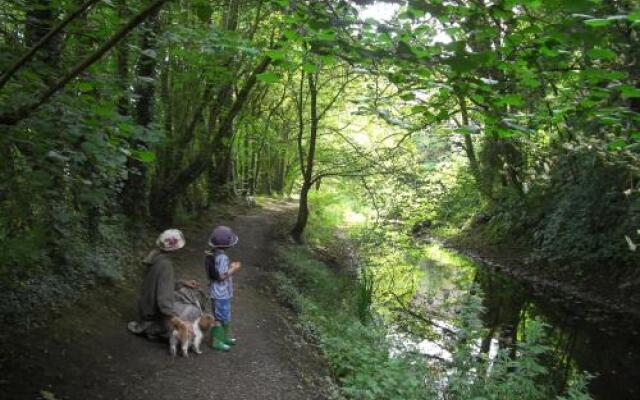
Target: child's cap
<point x="223" y="236"/>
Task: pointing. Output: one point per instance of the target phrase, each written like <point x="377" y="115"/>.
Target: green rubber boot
<point x="217" y="336"/>
<point x="228" y="340"/>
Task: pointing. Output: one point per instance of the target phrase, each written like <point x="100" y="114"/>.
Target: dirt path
<point x="91" y="356"/>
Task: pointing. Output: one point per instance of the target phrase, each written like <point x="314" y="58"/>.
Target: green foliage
<point x="576" y="229"/>
<point x="365" y="361"/>
<point x="42" y="281"/>
<point x="365" y="288"/>
<point x="269" y="77"/>
<point x="123" y="122"/>
<point x="514" y="120"/>
<point x="522" y="377"/>
<point x="329" y="211"/>
<point x="456" y="203"/>
<point x="357" y="353"/>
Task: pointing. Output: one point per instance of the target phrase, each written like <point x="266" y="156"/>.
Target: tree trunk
<point x="134" y="193"/>
<point x="41" y="18"/>
<point x="169" y="192"/>
<point x="282" y="165"/>
<point x="221" y="184"/>
<point x="122" y="63"/>
<point x="468" y="145"/>
<point x="303" y="215"/>
<point x="307" y="173"/>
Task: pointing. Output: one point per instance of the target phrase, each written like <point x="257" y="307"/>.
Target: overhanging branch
<point x="13" y="117"/>
<point x="53" y="32"/>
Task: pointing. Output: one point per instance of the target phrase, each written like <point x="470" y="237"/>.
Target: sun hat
<point x="223" y="236"/>
<point x="170" y="240"/>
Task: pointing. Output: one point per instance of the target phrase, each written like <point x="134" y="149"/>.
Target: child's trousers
<point x="221" y="310"/>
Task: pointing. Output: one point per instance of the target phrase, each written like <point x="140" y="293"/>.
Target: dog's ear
<point x="175" y="323"/>
<point x="206" y="321"/>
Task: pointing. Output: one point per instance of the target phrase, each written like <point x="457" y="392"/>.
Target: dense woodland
<point x="506" y="123"/>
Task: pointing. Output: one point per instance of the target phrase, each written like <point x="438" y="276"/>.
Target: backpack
<point x="210" y="267"/>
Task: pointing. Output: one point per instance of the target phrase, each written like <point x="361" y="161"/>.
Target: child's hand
<point x="235" y="265"/>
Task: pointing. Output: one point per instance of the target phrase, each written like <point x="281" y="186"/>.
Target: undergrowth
<point x="41" y="288"/>
<point x="330" y="312"/>
<point x="335" y="314"/>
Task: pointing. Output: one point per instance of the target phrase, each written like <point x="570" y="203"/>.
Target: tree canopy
<point x="521" y="113"/>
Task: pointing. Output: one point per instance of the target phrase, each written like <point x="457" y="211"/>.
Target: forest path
<point x="95" y="357"/>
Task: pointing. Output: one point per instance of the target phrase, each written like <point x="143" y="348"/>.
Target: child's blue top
<point x="221" y="290"/>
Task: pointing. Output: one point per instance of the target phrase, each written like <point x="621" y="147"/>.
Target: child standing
<point x="220" y="271"/>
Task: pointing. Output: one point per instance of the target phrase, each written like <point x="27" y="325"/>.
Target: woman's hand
<point x="192" y="283"/>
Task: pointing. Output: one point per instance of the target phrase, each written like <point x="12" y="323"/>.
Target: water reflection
<point x="610" y="354"/>
<point x="504" y="305"/>
<point x="608" y="350"/>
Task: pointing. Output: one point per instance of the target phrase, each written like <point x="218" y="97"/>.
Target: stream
<point x="604" y="345"/>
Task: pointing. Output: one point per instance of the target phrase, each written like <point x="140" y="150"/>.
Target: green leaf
<point x="145" y="156"/>
<point x="545" y="51"/>
<point x="104" y="110"/>
<point x="408" y="96"/>
<point x="597" y="22"/>
<point x="599" y="93"/>
<point x="575" y="6"/>
<point x="310" y="68"/>
<point x="269" y="77"/>
<point x="506" y="133"/>
<point x="276" y="54"/>
<point x="510" y="100"/>
<point x="85" y="86"/>
<point x="415" y="12"/>
<point x="291" y="34"/>
<point x="466" y="130"/>
<point x="477" y="98"/>
<point x="530" y="82"/>
<point x="328" y="60"/>
<point x="609" y="120"/>
<point x="461" y="64"/>
<point x="635" y="135"/>
<point x="616" y="144"/>
<point x="601" y="54"/>
<point x="203" y="9"/>
<point x="634" y="16"/>
<point x="327" y="35"/>
<point x="421" y="52"/>
<point x="125" y="128"/>
<point x="420" y="109"/>
<point x="630" y="91"/>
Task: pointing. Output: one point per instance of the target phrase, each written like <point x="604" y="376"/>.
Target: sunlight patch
<point x="354" y="218"/>
<point x="379" y="11"/>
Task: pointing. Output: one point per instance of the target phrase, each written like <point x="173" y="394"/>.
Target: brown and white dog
<point x="189" y="334"/>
